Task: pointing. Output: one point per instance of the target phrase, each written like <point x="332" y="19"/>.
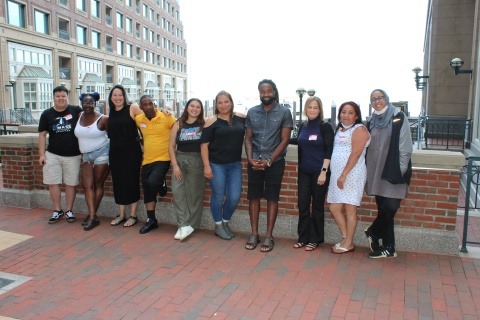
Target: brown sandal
<point x="298" y="245"/>
<point x="267" y="245"/>
<point x="131" y="222"/>
<point x="252" y="242"/>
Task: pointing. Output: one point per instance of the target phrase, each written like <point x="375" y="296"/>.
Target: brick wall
<point x="431" y="203"/>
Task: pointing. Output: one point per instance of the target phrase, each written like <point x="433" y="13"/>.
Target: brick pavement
<point x="116" y="273"/>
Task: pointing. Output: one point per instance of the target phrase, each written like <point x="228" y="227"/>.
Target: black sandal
<point x="267" y="245"/>
<point x="252" y="242"/>
<point x="298" y="245"/>
<point x="311" y="246"/>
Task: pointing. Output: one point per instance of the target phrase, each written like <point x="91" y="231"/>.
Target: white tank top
<point x="90" y="138"/>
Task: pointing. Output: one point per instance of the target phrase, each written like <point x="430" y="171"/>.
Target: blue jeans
<point x="226" y="188"/>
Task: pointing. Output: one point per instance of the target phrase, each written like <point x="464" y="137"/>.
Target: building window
<point x="145" y="33"/>
<point x="145" y="55"/>
<point x="16" y="13"/>
<point x="95" y="7"/>
<point x="145" y="10"/>
<point x="30" y="95"/>
<point x="96" y="39"/>
<point x="152" y="36"/>
<point x="152" y="15"/>
<point x="45" y="95"/>
<point x="128" y="3"/>
<point x="41" y="22"/>
<point x="129" y="50"/>
<point x="108" y="43"/>
<point x="63" y="29"/>
<point x="120" y="47"/>
<point x="120" y="20"/>
<point x="81" y="35"/>
<point x="152" y="57"/>
<point x="108" y="15"/>
<point x="128" y="25"/>
<point x="80" y="5"/>
<point x="63" y="2"/>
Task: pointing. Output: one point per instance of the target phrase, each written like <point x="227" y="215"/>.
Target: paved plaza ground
<point x="62" y="272"/>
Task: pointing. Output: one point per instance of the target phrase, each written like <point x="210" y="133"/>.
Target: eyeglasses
<point x="381" y="98"/>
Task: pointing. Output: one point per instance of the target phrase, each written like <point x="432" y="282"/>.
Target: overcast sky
<point x="341" y="48"/>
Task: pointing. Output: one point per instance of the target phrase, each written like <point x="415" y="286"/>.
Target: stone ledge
<point x="407" y="238"/>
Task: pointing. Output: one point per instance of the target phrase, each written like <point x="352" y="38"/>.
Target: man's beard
<point x="267" y="101"/>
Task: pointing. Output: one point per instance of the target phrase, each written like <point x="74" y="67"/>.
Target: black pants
<point x="383" y="225"/>
<point x="311" y="223"/>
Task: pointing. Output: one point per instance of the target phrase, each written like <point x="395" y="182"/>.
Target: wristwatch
<point x="324" y="169"/>
<point x="269" y="162"/>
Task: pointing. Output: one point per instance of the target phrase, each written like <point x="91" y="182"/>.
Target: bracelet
<point x="269" y="162"/>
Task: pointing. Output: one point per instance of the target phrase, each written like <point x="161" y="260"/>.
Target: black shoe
<point x="163" y="189"/>
<point x="90" y="224"/>
<point x="383" y="253"/>
<point x="149" y="226"/>
<point x="373" y="241"/>
<point x="56" y="215"/>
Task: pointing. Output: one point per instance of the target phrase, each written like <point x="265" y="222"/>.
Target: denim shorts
<point x="98" y="156"/>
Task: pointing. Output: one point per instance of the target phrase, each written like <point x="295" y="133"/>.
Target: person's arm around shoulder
<point x="42" y="140"/>
<point x="359" y="139"/>
<point x="240" y="115"/>
<point x="102" y="124"/>
<point x="135" y="110"/>
<point x="172" y="143"/>
<point x="209" y="121"/>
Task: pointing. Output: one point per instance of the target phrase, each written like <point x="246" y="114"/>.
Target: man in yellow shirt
<point x="155" y="127"/>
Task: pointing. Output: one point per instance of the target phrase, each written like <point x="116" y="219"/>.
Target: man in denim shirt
<point x="268" y="128"/>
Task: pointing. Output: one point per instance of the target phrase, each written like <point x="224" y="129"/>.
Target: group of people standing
<point x="140" y="143"/>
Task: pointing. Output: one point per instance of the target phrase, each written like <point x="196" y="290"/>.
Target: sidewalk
<point x="116" y="273"/>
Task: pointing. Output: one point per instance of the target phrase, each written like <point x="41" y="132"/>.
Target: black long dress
<point x="125" y="156"/>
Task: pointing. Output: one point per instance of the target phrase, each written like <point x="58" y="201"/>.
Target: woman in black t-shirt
<point x="222" y="142"/>
<point x="188" y="183"/>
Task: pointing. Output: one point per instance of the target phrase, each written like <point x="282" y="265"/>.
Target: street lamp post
<point x="301" y="92"/>
<point x="14" y="93"/>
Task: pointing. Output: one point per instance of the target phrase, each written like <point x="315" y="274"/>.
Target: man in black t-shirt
<point x="61" y="160"/>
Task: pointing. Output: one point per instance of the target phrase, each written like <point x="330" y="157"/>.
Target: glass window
<point x="128" y="3"/>
<point x="80" y="5"/>
<point x="145" y="10"/>
<point x="152" y="15"/>
<point x="119" y="20"/>
<point x="128" y="25"/>
<point x="152" y="36"/>
<point x="129" y="50"/>
<point x="120" y="47"/>
<point x="16" y="13"/>
<point x="41" y="22"/>
<point x="96" y="39"/>
<point x="95" y="7"/>
<point x="145" y="55"/>
<point x="81" y="35"/>
<point x="30" y="95"/>
<point x="145" y="33"/>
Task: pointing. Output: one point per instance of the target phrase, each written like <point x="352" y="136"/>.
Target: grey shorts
<point x="98" y="156"/>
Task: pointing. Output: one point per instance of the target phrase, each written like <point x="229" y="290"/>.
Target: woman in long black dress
<point x="125" y="154"/>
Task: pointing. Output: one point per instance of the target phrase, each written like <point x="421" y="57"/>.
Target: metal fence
<point x="8" y="128"/>
<point x="441" y="132"/>
<point x="471" y="173"/>
<point x="17" y="116"/>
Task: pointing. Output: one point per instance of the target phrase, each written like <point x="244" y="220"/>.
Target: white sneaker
<point x="186" y="231"/>
<point x="179" y="233"/>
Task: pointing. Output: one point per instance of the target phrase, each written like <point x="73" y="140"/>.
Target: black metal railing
<point x="472" y="171"/>
<point x="447" y="132"/>
<point x="8" y="128"/>
<point x="19" y="116"/>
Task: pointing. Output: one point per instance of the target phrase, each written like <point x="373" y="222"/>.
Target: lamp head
<point x="456" y="63"/>
<point x="311" y="92"/>
<point x="62" y="84"/>
<point x="417" y="70"/>
<point x="301" y="91"/>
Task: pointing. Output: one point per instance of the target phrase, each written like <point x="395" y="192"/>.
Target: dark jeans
<point x="153" y="175"/>
<point x="383" y="225"/>
<point x="311" y="223"/>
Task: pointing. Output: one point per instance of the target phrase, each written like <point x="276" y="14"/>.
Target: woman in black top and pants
<point x="315" y="146"/>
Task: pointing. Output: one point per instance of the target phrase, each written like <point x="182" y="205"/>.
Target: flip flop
<point x="117" y="221"/>
<point x="342" y="250"/>
<point x="298" y="245"/>
<point x="131" y="222"/>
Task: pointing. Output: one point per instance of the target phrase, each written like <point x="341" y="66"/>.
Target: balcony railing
<point x="64" y="73"/>
<point x="109" y="78"/>
<point x="109" y="48"/>
<point x="64" y="34"/>
<point x="441" y="132"/>
<point x="108" y="20"/>
<point x="63" y="2"/>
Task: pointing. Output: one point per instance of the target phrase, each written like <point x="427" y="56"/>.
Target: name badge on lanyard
<point x="312" y="137"/>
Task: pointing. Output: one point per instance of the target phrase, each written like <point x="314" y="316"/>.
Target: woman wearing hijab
<point x="389" y="170"/>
